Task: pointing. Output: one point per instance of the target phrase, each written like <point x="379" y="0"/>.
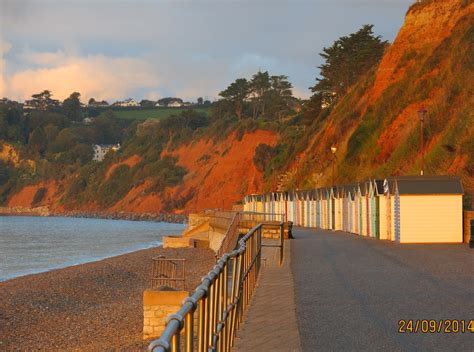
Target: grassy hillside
<point x="155" y="113"/>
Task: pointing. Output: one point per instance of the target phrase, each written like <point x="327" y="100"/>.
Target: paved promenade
<point x="270" y="321"/>
<point x="352" y="291"/>
<point x="349" y="293"/>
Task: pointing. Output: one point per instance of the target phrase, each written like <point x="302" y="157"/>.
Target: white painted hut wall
<point x="383" y="218"/>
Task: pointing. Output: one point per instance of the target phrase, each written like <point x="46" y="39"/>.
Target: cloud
<point x="4" y="49"/>
<point x="96" y="76"/>
<point x="110" y="49"/>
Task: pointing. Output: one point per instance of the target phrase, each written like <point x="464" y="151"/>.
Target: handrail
<point x="262" y="217"/>
<point x="231" y="236"/>
<point x="220" y="301"/>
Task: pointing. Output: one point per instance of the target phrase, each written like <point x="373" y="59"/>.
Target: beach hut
<point x="379" y="216"/>
<point x="274" y="206"/>
<point x="428" y="209"/>
<point x="346" y="210"/>
<point x="339" y="208"/>
<point x="352" y="210"/>
<point x="389" y="194"/>
<point x="335" y="208"/>
<point x="313" y="208"/>
<point x="318" y="208"/>
<point x="308" y="208"/>
<point x="369" y="196"/>
<point x="297" y="208"/>
<point x="246" y="203"/>
<point x="291" y="207"/>
<point x="304" y="208"/>
<point x="324" y="209"/>
<point x="361" y="206"/>
<point x="260" y="202"/>
<point x="280" y="205"/>
<point x="328" y="201"/>
<point x="332" y="212"/>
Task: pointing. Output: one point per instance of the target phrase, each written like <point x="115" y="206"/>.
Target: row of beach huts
<point x="409" y="209"/>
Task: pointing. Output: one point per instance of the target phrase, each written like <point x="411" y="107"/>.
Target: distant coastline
<point x="44" y="211"/>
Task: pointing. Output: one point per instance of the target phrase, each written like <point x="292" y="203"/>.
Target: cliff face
<point x="376" y="125"/>
<point x="425" y="27"/>
<point x="219" y="174"/>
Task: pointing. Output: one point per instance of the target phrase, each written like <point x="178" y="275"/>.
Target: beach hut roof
<point x="429" y="185"/>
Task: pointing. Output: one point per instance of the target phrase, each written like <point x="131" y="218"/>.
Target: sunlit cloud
<point x="96" y="76"/>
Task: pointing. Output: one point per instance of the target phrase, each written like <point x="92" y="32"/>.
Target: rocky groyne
<point x="158" y="217"/>
<point x="44" y="211"/>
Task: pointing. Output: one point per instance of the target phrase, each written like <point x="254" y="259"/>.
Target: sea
<point x="30" y="245"/>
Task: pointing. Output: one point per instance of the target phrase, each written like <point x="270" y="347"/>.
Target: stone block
<point x="176" y="242"/>
<point x="157" y="306"/>
<point x="148" y="330"/>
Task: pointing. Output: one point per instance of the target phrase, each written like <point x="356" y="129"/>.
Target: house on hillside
<point x="29" y="105"/>
<point x="101" y="150"/>
<point x="97" y="104"/>
<point x="130" y="102"/>
<point x="175" y="104"/>
<point x="87" y="120"/>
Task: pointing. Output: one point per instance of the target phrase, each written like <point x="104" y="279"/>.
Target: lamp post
<point x="421" y="113"/>
<point x="333" y="151"/>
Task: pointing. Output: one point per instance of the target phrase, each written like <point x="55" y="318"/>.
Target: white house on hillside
<point x="101" y="150"/>
<point x="130" y="102"/>
<point x="175" y="104"/>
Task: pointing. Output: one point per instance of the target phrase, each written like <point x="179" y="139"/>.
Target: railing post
<point x="210" y="316"/>
<point x="189" y="329"/>
<point x="202" y="323"/>
<point x="175" y="342"/>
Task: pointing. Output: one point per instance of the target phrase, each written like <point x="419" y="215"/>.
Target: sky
<point x="115" y="49"/>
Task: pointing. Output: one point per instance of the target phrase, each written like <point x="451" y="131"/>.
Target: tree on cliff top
<point x="345" y="61"/>
<point x="43" y="101"/>
<point x="72" y="107"/>
<point x="236" y="93"/>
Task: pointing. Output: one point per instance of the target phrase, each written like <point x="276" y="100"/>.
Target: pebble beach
<point x="95" y="306"/>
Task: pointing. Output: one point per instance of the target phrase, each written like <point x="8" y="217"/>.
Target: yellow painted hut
<point x="428" y="209"/>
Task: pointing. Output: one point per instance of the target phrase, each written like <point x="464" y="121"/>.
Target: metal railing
<point x="231" y="237"/>
<point x="219" y="302"/>
<point x="168" y="272"/>
<point x="262" y="217"/>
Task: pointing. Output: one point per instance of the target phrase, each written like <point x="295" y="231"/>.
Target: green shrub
<point x="263" y="155"/>
<point x="116" y="187"/>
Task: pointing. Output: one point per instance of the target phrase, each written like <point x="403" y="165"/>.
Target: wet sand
<point x="90" y="307"/>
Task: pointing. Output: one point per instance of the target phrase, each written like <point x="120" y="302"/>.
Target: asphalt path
<point x="351" y="292"/>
